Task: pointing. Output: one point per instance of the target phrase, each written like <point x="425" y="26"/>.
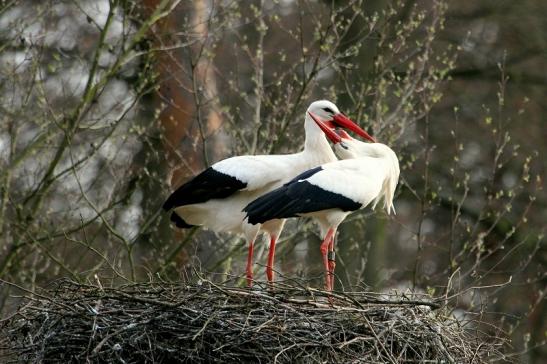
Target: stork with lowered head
<point x="368" y="173"/>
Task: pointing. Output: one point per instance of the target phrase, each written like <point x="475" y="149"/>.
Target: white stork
<point x="330" y="192"/>
<point x="215" y="198"/>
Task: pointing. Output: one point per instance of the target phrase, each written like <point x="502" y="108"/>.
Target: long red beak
<point x="343" y="121"/>
<point x="331" y="134"/>
<point x="335" y="138"/>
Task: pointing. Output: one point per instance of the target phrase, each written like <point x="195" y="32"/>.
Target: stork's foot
<point x="325" y="245"/>
<point x="332" y="265"/>
<point x="271" y="258"/>
<point x="250" y="265"/>
<point x="270" y="274"/>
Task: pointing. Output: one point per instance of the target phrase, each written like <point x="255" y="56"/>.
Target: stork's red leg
<point x="324" y="251"/>
<point x="250" y="264"/>
<point x="271" y="258"/>
<point x="332" y="259"/>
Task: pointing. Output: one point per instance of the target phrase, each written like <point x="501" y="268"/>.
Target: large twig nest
<point x="207" y="322"/>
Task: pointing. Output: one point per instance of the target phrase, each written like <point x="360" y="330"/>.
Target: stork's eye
<point x="329" y="110"/>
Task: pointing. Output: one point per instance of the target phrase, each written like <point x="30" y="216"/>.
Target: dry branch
<point x="205" y="322"/>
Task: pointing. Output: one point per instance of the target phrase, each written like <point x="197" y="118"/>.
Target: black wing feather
<point x="294" y="199"/>
<point x="304" y="175"/>
<point x="209" y="184"/>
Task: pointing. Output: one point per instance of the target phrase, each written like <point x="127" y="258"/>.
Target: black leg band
<point x="331" y="256"/>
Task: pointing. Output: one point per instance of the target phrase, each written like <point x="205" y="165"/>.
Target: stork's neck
<point x="316" y="142"/>
<point x="375" y="150"/>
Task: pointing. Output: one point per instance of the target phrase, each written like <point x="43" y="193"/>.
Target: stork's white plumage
<point x="216" y="197"/>
<point x="330" y="192"/>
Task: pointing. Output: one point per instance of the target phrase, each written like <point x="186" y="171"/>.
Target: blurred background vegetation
<point x="106" y="106"/>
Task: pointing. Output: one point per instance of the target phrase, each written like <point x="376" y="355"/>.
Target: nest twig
<point x="205" y="322"/>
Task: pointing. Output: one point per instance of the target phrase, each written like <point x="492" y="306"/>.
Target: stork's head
<point x="327" y="113"/>
<point x="348" y="147"/>
<point x="345" y="146"/>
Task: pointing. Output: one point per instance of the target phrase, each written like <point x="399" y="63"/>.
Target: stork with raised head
<point x="215" y="198"/>
<point x="332" y="191"/>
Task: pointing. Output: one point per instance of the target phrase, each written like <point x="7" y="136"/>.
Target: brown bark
<point x="174" y="97"/>
<point x="183" y="72"/>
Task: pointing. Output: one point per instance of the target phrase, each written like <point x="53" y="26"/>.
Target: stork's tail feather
<point x="179" y="221"/>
